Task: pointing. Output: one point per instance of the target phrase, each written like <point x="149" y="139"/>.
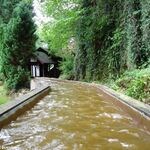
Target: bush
<point x="17" y="78"/>
<point x="136" y="84"/>
<point x="139" y="88"/>
<point x="67" y="67"/>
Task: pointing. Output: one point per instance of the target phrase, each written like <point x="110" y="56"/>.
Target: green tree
<point x="18" y="44"/>
<point x="58" y="32"/>
<point x="61" y="30"/>
<point x="6" y="9"/>
<point x="112" y="36"/>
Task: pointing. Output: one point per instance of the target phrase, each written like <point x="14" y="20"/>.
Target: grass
<point x="3" y="97"/>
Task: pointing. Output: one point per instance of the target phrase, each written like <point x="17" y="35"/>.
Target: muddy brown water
<point x="74" y="117"/>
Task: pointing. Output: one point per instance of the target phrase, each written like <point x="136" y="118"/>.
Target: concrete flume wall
<point x="139" y="111"/>
<point x="14" y="108"/>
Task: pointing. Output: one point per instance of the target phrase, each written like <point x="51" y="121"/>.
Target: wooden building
<point x="42" y="64"/>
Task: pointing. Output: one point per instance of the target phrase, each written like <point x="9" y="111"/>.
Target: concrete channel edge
<point x="138" y="111"/>
<point x="139" y="106"/>
<point x="11" y="110"/>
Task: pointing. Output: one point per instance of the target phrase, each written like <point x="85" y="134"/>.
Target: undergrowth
<point x="3" y="97"/>
<point x="134" y="83"/>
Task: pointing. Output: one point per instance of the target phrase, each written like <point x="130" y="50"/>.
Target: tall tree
<point x="6" y="9"/>
<point x="60" y="32"/>
<point x="112" y="37"/>
<point x="18" y="44"/>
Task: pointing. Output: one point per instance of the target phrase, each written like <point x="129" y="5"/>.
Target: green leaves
<point x="136" y="84"/>
<point x="17" y="46"/>
<point x="58" y="32"/>
<point x="61" y="30"/>
<point x="110" y="37"/>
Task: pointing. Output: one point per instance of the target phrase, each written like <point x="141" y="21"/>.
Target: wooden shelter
<point x="42" y="64"/>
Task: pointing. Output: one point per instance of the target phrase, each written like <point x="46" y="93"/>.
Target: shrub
<point x="67" y="67"/>
<point x="136" y="84"/>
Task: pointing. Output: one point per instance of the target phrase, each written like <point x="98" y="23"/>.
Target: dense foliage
<point x="57" y="33"/>
<point x="134" y="83"/>
<point x="113" y="37"/>
<point x="110" y="37"/>
<point x="60" y="32"/>
<point x="16" y="42"/>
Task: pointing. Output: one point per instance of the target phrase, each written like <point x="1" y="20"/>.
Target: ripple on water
<point x="74" y="117"/>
